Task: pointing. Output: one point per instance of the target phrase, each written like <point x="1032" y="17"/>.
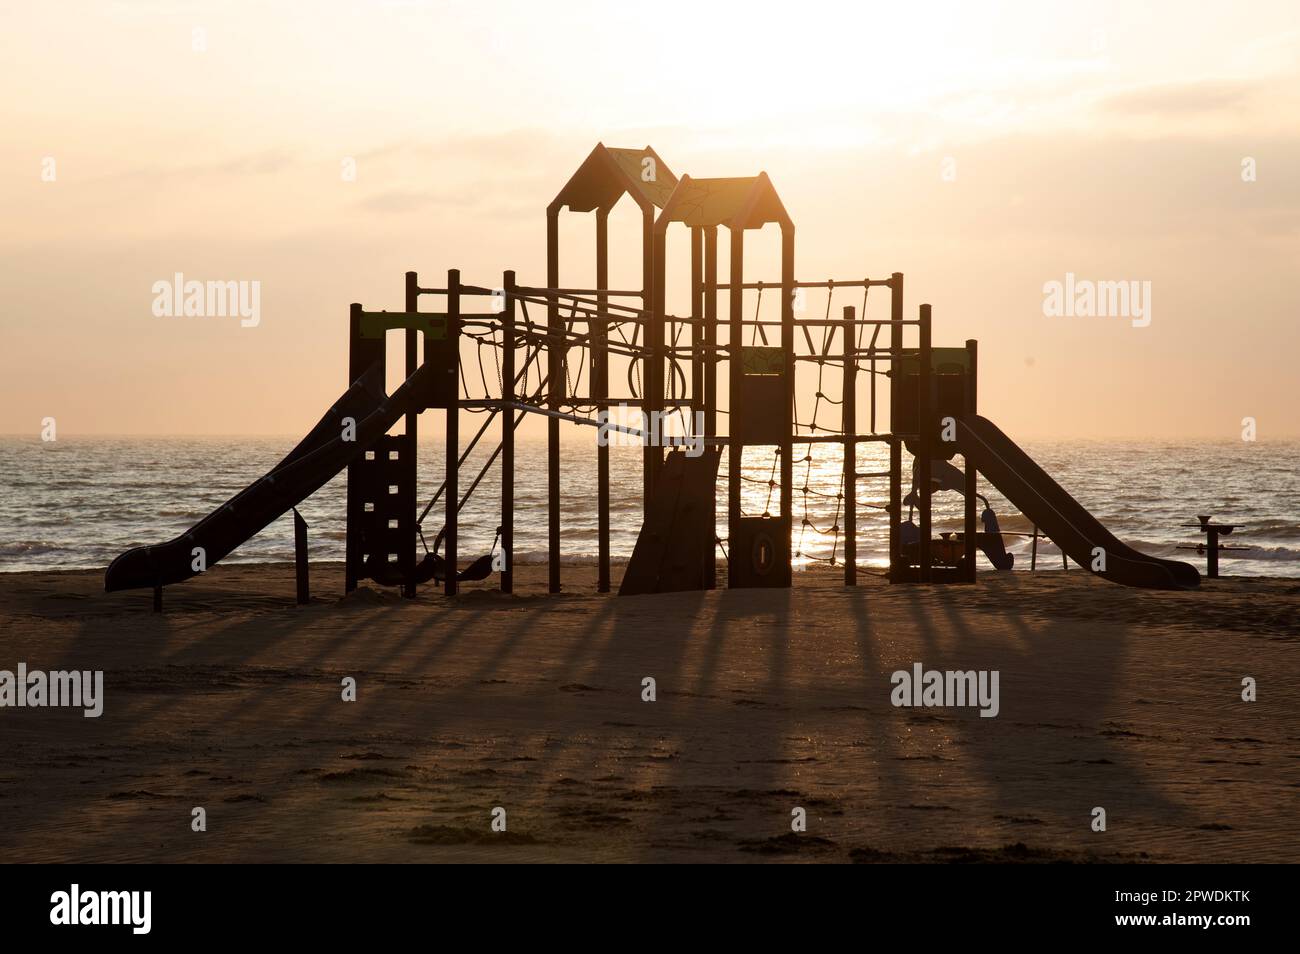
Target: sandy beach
<point x="766" y="701"/>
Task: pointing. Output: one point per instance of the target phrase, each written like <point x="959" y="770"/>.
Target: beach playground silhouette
<point x="676" y="365"/>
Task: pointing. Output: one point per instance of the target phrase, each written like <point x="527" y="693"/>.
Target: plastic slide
<point x="308" y="467"/>
<point x="1059" y="515"/>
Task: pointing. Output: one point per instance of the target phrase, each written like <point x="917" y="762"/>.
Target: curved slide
<point x="308" y="467"/>
<point x="1059" y="515"/>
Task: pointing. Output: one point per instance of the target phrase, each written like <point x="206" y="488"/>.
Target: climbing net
<point x="821" y="511"/>
<point x="821" y="502"/>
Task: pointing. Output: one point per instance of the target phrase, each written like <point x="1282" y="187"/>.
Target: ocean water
<point x="78" y="502"/>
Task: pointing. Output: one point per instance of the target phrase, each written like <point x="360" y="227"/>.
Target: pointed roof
<point x="747" y="202"/>
<point x="607" y="173"/>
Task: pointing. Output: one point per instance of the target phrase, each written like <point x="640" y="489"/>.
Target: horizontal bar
<point x="463" y="289"/>
<point x="838" y="439"/>
<point x="497" y="403"/>
<point x="532" y="290"/>
<point x="839" y="358"/>
<point x="861" y="283"/>
<point x="832" y="322"/>
<point x="817" y="439"/>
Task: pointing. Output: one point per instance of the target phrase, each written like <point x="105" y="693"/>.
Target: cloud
<point x="1180" y="99"/>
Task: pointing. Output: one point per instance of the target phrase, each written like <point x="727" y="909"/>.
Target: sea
<point x="78" y="502"/>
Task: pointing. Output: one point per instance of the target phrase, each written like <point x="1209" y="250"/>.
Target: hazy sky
<point x="982" y="149"/>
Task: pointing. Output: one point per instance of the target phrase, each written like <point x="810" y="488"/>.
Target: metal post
<point x="735" y="451"/>
<point x="453" y="432"/>
<point x="971" y="488"/>
<point x="787" y="348"/>
<point x="555" y="394"/>
<point x="896" y="568"/>
<point x="300" y="557"/>
<point x="508" y="435"/>
<point x="850" y="398"/>
<point x="696" y="405"/>
<point x="711" y="383"/>
<point x="600" y="389"/>
<point x="697" y="293"/>
<point x="353" y="558"/>
<point x="925" y="419"/>
<point x="711" y="331"/>
<point x="652" y="265"/>
<point x="406" y="559"/>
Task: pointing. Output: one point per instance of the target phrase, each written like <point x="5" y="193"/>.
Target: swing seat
<point x="480" y="569"/>
<point x="388" y="574"/>
<point x="432" y="567"/>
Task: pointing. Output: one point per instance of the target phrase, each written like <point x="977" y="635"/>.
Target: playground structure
<point x="674" y="369"/>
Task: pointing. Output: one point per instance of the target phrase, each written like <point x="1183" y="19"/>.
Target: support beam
<point x="711" y="380"/>
<point x="850" y="427"/>
<point x="406" y="559"/>
<point x="453" y="435"/>
<point x="735" y="451"/>
<point x="972" y="525"/>
<point x="787" y="347"/>
<point x="697" y="311"/>
<point x="896" y="567"/>
<point x="300" y="563"/>
<point x="600" y="391"/>
<point x="652" y="456"/>
<point x="696" y="406"/>
<point x="363" y="353"/>
<point x="652" y="362"/>
<point x="555" y="394"/>
<point x="508" y="435"/>
<point x="925" y="418"/>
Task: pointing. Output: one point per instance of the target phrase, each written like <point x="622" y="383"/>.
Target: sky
<point x="985" y="150"/>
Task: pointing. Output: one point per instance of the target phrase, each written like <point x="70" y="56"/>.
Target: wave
<point x="97" y="498"/>
<point x="1284" y="554"/>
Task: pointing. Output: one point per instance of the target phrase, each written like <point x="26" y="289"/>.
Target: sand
<point x="767" y="701"/>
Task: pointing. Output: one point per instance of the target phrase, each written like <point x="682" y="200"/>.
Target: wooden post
<point x="652" y="264"/>
<point x="600" y="390"/>
<point x="554" y="392"/>
<point x="971" y="487"/>
<point x="1033" y="552"/>
<point x="696" y="406"/>
<point x="353" y="558"/>
<point x="850" y="425"/>
<point x="711" y="331"/>
<point x="406" y="559"/>
<point x="711" y="382"/>
<point x="787" y="349"/>
<point x="895" y="443"/>
<point x="735" y="451"/>
<point x="300" y="557"/>
<point x="1212" y="551"/>
<point x="697" y="293"/>
<point x="452" y="492"/>
<point x="508" y="435"/>
<point x="925" y="418"/>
